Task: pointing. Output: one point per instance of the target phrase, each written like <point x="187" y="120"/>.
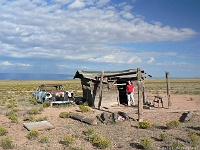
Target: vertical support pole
<point x="143" y="94"/>
<point x="100" y="89"/>
<point x="168" y="89"/>
<point x="140" y="101"/>
<point x="118" y="103"/>
<point x="92" y="86"/>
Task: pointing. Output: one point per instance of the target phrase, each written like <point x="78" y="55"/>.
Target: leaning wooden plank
<point x="42" y="125"/>
<point x="83" y="119"/>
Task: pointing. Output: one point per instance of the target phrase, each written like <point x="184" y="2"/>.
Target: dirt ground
<point x="123" y="134"/>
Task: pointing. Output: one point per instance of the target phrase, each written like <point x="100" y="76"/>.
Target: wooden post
<point x="140" y="101"/>
<point x="143" y="94"/>
<point x="168" y="89"/>
<point x="100" y="89"/>
<point x="118" y="102"/>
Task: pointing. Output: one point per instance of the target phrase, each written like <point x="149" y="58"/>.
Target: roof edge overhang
<point x="124" y="74"/>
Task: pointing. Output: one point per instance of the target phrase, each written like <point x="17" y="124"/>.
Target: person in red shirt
<point x="130" y="93"/>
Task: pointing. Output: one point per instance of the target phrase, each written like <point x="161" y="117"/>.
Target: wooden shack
<point x="107" y="87"/>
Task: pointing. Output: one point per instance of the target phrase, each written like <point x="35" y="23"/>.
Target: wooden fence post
<point x="143" y="94"/>
<point x="100" y="89"/>
<point x="168" y="89"/>
<point x="140" y="101"/>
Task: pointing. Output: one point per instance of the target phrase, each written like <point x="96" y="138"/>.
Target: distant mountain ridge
<point x="34" y="76"/>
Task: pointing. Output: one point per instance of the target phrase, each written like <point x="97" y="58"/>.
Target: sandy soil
<point x="123" y="135"/>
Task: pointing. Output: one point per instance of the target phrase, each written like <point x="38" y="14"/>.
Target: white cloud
<point x="40" y="29"/>
<point x="175" y="64"/>
<point x="151" y="60"/>
<point x="23" y="65"/>
<point x="121" y="58"/>
<point x="6" y="63"/>
<point x="83" y="68"/>
<point x="152" y="55"/>
<point x="63" y="66"/>
<point x="77" y="4"/>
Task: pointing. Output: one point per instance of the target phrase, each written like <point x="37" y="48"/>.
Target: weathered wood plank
<point x="140" y="101"/>
<point x="42" y="125"/>
<point x="168" y="90"/>
<point x="83" y="119"/>
<point x="100" y="90"/>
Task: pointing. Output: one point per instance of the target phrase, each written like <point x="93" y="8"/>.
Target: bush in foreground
<point x="3" y="131"/>
<point x="177" y="145"/>
<point x="96" y="140"/>
<point x="44" y="139"/>
<point x="84" y="109"/>
<point x="89" y="131"/>
<point x="46" y="104"/>
<point x="172" y="124"/>
<point x="163" y="137"/>
<point x="33" y="134"/>
<point x="144" y="124"/>
<point x="33" y="101"/>
<point x="147" y="144"/>
<point x="67" y="140"/>
<point x="194" y="139"/>
<point x="64" y="115"/>
<point x="34" y="111"/>
<point x="13" y="118"/>
<point x="6" y="143"/>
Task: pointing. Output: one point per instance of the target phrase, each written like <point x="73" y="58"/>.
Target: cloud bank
<point x="84" y="30"/>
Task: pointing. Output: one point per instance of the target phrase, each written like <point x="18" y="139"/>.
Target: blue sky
<point x="63" y="36"/>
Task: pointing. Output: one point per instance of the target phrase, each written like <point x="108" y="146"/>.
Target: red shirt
<point x="129" y="88"/>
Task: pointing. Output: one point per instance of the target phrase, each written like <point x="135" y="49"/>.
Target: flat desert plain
<point x="17" y="107"/>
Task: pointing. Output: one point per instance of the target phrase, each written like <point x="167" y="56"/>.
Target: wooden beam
<point x="100" y="89"/>
<point x="140" y="101"/>
<point x="83" y="119"/>
<point x="143" y="94"/>
<point x="168" y="89"/>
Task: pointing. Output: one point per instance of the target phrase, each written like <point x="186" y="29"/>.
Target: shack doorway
<point x="121" y="86"/>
